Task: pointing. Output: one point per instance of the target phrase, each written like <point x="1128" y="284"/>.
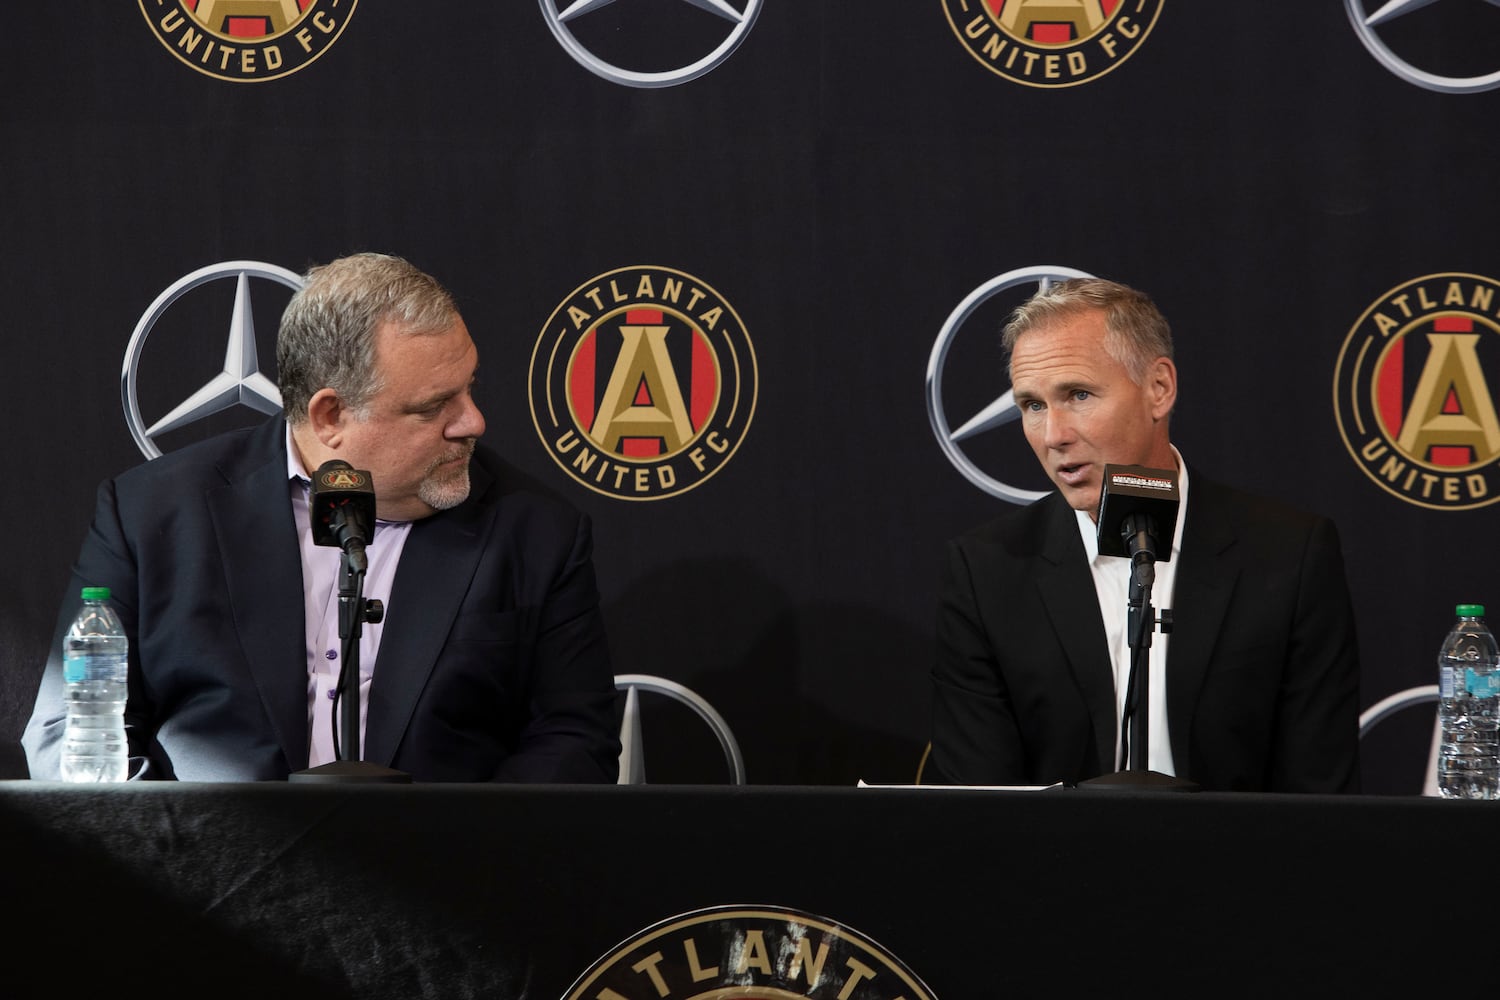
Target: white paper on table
<point x="983" y="788"/>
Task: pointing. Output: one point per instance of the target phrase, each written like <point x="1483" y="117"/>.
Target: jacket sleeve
<point x="569" y="734"/>
<point x="1316" y="745"/>
<point x="975" y="737"/>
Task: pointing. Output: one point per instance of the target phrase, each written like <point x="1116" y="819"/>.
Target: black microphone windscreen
<point x="1135" y="489"/>
<point x="340" y="489"/>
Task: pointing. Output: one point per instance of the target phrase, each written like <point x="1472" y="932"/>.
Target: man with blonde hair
<point x="1255" y="688"/>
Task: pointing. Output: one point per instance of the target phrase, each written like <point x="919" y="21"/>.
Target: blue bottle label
<point x="1482" y="685"/>
<point x="75" y="669"/>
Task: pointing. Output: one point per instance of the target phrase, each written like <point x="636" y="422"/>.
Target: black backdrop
<point x="843" y="179"/>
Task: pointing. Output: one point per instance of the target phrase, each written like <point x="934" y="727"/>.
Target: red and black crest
<point x="643" y="383"/>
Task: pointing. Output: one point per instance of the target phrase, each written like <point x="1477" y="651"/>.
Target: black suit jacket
<point x="1262" y="665"/>
<point x="493" y="661"/>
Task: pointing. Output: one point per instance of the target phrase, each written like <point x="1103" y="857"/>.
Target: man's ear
<point x="1161" y="384"/>
<point x="327" y="416"/>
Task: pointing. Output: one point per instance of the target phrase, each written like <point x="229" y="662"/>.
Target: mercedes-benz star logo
<point x="1365" y="26"/>
<point x="241" y="383"/>
<point x="558" y="20"/>
<point x="1003" y="409"/>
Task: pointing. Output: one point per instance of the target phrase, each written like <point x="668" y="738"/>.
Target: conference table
<point x="506" y="891"/>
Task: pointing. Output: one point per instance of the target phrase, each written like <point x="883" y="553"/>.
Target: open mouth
<point x="1072" y="475"/>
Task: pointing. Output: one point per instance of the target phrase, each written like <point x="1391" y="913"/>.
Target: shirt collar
<point x="294" y="469"/>
<point x="296" y="474"/>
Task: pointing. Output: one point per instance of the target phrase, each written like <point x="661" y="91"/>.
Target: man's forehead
<point x="1077" y="347"/>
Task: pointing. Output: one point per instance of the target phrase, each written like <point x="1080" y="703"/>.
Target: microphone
<point x="341" y="505"/>
<point x="342" y="508"/>
<point x="1138" y="513"/>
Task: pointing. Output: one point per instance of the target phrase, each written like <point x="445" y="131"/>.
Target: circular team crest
<point x="343" y="479"/>
<point x="245" y="41"/>
<point x="1412" y="391"/>
<point x="1052" y="43"/>
<point x="643" y="383"/>
<point x="749" y="953"/>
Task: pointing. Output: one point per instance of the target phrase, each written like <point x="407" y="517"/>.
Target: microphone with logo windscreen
<point x="341" y="505"/>
<point x="1138" y="513"/>
<point x="1137" y="518"/>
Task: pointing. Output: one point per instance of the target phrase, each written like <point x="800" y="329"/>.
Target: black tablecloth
<point x="365" y="891"/>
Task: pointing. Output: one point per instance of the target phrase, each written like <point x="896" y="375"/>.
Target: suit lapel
<point x="1201" y="596"/>
<point x="257" y="541"/>
<point x="1067" y="588"/>
<point x="438" y="562"/>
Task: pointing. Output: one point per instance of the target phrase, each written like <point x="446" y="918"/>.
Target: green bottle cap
<point x="1470" y="610"/>
<point x="96" y="593"/>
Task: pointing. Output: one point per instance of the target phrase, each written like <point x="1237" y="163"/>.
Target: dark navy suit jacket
<point x="493" y="661"/>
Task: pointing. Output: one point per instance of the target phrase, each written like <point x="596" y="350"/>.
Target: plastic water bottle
<point x="94" y="669"/>
<point x="1469" y="707"/>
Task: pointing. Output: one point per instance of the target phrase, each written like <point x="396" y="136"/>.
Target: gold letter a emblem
<point x="1086" y="16"/>
<point x="281" y="14"/>
<point x="643" y="398"/>
<point x="1451" y="407"/>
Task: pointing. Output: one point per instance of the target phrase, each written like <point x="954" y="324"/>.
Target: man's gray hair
<point x="327" y="335"/>
<point x="1137" y="334"/>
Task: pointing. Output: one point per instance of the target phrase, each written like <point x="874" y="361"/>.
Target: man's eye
<point x="1081" y="395"/>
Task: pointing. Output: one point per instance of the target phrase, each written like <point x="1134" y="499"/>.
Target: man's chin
<point x="446" y="493"/>
<point x="1084" y="498"/>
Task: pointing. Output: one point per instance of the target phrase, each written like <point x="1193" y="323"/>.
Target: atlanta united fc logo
<point x="643" y="383"/>
<point x="1412" y="391"/>
<point x="245" y="41"/>
<point x="1052" y="43"/>
<point x="345" y="479"/>
<point x="755" y="953"/>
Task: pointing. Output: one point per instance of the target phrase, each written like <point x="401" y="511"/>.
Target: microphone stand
<point x="354" y="611"/>
<point x="1140" y="621"/>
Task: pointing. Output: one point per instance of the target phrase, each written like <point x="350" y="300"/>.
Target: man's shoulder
<point x="1240" y="504"/>
<point x="1019" y="529"/>
<point x="508" y="485"/>
<point x="1269" y="528"/>
<point x="193" y="462"/>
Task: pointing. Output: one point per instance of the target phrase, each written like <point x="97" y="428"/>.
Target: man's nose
<point x="470" y="422"/>
<point x="1058" y="430"/>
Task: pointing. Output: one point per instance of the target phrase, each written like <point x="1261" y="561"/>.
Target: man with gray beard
<point x="491" y="661"/>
